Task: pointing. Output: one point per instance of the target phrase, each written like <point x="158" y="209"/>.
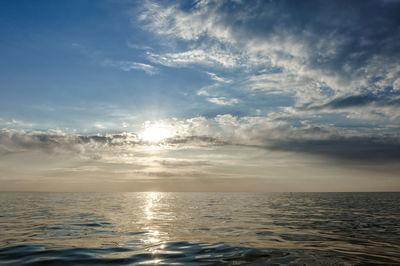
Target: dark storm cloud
<point x="359" y="101"/>
<point x="368" y="149"/>
<point x="12" y="141"/>
<point x="17" y="141"/>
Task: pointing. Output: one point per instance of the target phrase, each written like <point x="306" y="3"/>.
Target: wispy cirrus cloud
<point x="124" y="65"/>
<point x="222" y="100"/>
<point x="216" y="57"/>
<point x="130" y="65"/>
<point x="218" y="78"/>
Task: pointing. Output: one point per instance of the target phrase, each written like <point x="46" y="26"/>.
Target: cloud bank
<point x="266" y="133"/>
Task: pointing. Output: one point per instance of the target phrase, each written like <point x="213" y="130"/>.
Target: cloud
<point x="371" y="149"/>
<point x="123" y="65"/>
<point x="222" y="100"/>
<point x="18" y="141"/>
<point x="213" y="56"/>
<point x="137" y="46"/>
<point x="313" y="51"/>
<point x="129" y="66"/>
<point x="58" y="142"/>
<point x="99" y="126"/>
<point x="197" y="141"/>
<point x="173" y="163"/>
<point x="274" y="132"/>
<point x="360" y="101"/>
<point x="14" y="123"/>
<point x="218" y="78"/>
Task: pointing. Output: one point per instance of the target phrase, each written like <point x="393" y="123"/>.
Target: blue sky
<point x="66" y="57"/>
<point x="274" y="79"/>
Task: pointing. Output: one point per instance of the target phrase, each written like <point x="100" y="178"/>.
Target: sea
<point x="157" y="228"/>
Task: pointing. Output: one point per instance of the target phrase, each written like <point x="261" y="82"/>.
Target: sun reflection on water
<point x="150" y="210"/>
<point x="152" y="199"/>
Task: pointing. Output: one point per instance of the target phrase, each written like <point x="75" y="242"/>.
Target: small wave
<point x="184" y="253"/>
<point x="167" y="253"/>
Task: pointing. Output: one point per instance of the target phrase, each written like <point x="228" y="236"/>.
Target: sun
<point x="156" y="133"/>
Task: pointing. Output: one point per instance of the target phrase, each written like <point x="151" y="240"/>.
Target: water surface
<point x="199" y="228"/>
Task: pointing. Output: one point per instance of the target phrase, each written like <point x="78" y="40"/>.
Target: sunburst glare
<point x="156" y="132"/>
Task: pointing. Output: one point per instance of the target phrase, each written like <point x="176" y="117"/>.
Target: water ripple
<point x="199" y="228"/>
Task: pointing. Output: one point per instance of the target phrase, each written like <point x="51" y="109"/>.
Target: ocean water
<point x="199" y="228"/>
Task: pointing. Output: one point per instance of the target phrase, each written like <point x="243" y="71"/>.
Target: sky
<point x="200" y="95"/>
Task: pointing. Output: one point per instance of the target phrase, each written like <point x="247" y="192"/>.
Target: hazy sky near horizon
<point x="200" y="95"/>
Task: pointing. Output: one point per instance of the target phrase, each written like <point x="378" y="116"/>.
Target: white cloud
<point x="137" y="46"/>
<point x="129" y="66"/>
<point x="14" y="123"/>
<point x="218" y="78"/>
<point x="213" y="56"/>
<point x="99" y="126"/>
<point x="222" y="100"/>
<point x="313" y="68"/>
<point x="203" y="92"/>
